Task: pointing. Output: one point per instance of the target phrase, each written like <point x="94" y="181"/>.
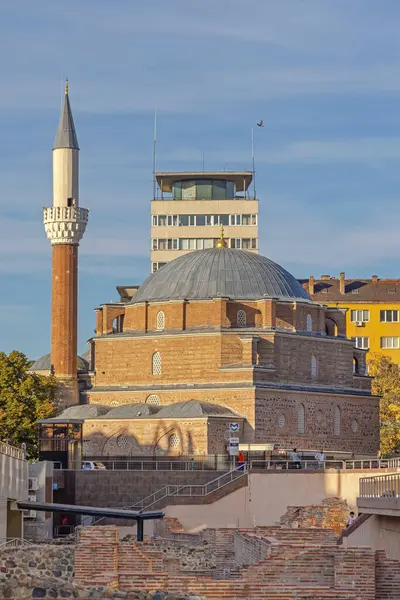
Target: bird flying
<point x="261" y="123"/>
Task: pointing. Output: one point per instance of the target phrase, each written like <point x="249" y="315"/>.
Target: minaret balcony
<point x="65" y="224"/>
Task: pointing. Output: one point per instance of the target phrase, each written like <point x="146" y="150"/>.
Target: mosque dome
<point x="193" y="409"/>
<point x="220" y="272"/>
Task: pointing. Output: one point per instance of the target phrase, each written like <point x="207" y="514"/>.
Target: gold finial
<point x="221" y="242"/>
<point x="66" y="86"/>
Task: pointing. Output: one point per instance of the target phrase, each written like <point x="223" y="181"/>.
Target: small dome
<point x="194" y="408"/>
<point x="44" y="363"/>
<point x="84" y="411"/>
<point x="220" y="272"/>
<point x="132" y="411"/>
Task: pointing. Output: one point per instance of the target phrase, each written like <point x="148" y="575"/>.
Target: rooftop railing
<point x="12" y="451"/>
<point x="380" y="486"/>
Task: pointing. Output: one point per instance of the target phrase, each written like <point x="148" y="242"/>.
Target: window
<point x="153" y="400"/>
<point x="70" y="202"/>
<point x="359" y="315"/>
<point x="174" y="440"/>
<point x="354" y="425"/>
<point x="122" y="441"/>
<point x="336" y="421"/>
<point x="162" y="220"/>
<point x="389" y="316"/>
<point x="361" y="342"/>
<point x="246" y="219"/>
<point x="246" y="244"/>
<point x="389" y="342"/>
<point x="241" y="318"/>
<point x="154" y="220"/>
<point x="200" y="220"/>
<point x="319" y="416"/>
<point x="309" y="323"/>
<point x="355" y="291"/>
<point x="281" y="421"/>
<point x="314" y="367"/>
<point x="156" y="363"/>
<point x="160" y="320"/>
<point x="300" y="419"/>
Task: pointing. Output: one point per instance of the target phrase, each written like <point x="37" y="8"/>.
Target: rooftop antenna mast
<point x="155" y="156"/>
<point x="253" y="162"/>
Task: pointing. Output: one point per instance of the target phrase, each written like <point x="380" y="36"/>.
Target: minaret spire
<point x="66" y="134"/>
<point x="65" y="223"/>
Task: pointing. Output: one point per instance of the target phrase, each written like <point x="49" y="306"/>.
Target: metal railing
<point x="12" y="451"/>
<point x="314" y="465"/>
<point x="156" y="465"/>
<point x="380" y="486"/>
<point x="167" y="491"/>
<point x="13" y="543"/>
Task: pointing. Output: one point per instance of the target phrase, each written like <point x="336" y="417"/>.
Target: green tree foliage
<point x="24" y="398"/>
<point x="386" y="383"/>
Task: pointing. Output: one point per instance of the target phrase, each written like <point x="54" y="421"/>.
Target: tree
<point x="386" y="384"/>
<point x="24" y="398"/>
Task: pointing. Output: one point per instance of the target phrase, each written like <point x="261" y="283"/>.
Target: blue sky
<point x="324" y="75"/>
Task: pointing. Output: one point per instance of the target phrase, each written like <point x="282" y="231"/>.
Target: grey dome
<point x="194" y="408"/>
<point x="44" y="363"/>
<point x="131" y="411"/>
<point x="84" y="411"/>
<point x="220" y="272"/>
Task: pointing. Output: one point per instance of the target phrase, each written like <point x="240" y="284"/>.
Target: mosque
<point x="216" y="340"/>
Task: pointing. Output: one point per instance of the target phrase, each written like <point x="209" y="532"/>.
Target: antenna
<point x="203" y="161"/>
<point x="154" y="155"/>
<point x="253" y="160"/>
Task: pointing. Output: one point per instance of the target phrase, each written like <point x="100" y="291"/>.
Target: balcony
<point x="380" y="495"/>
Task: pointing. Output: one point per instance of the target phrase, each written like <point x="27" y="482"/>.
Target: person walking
<point x="321" y="458"/>
<point x="295" y="458"/>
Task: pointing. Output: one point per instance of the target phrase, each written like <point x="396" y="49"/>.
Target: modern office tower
<point x="191" y="208"/>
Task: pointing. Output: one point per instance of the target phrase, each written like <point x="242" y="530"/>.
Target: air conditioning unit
<point x="359" y="323"/>
<point x="32" y="497"/>
<point x="29" y="514"/>
<point x="33" y="484"/>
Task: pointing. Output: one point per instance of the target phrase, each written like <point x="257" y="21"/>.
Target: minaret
<point x="65" y="223"/>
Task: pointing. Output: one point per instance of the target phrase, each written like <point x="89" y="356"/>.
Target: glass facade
<point x="203" y="189"/>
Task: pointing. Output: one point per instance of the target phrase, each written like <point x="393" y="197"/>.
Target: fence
<point x="381" y="486"/>
<point x="12" y="451"/>
<point x="224" y="463"/>
<point x="283" y="465"/>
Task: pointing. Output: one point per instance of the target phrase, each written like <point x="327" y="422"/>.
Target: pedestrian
<point x="295" y="458"/>
<point x="350" y="519"/>
<point x="320" y="457"/>
<point x="240" y="459"/>
<point x="64" y="521"/>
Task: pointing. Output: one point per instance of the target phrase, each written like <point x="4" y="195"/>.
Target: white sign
<point x="234" y="427"/>
<point x="233" y="447"/>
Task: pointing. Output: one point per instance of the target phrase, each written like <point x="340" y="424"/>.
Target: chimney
<point x="342" y="284"/>
<point x="325" y="277"/>
<point x="374" y="278"/>
<point x="311" y="282"/>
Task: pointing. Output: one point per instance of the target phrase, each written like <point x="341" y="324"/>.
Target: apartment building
<point x="190" y="209"/>
<point x="372" y="309"/>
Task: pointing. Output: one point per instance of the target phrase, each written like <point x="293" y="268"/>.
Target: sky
<point x="323" y="75"/>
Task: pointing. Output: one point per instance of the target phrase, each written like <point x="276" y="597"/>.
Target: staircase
<point x="192" y="494"/>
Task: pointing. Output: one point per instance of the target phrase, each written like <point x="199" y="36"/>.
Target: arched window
<point x="300" y="419"/>
<point x="156" y="363"/>
<point x="314" y="367"/>
<point x="309" y="323"/>
<point x="336" y="421"/>
<point x="160" y="320"/>
<point x="241" y="318"/>
<point x="153" y="400"/>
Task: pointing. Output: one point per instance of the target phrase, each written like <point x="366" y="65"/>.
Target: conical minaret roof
<point x="66" y="134"/>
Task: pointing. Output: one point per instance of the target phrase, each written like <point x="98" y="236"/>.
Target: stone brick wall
<point x="332" y="514"/>
<point x="41" y="561"/>
<point x="249" y="549"/>
<point x="288" y="571"/>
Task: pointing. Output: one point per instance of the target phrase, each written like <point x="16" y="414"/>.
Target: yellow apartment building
<point x="372" y="305"/>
